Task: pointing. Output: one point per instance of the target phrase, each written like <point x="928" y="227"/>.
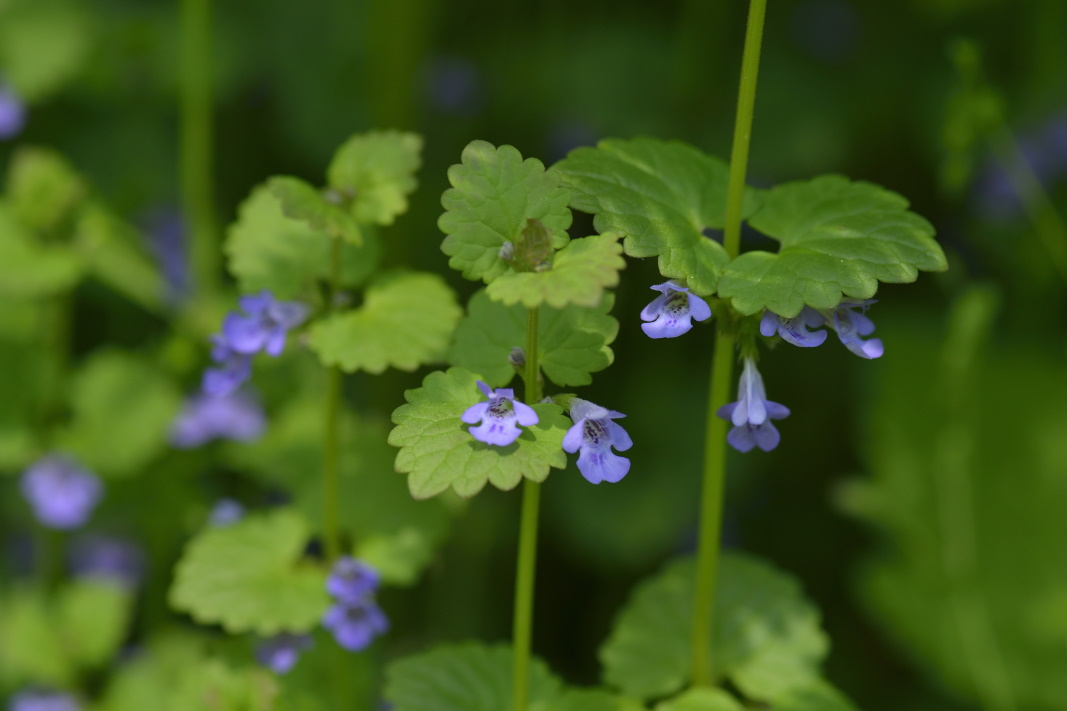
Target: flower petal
<point x="699" y="308"/>
<point x="598" y="465"/>
<point x="776" y="410"/>
<point x="620" y="438"/>
<point x="525" y="414"/>
<point x="668" y="327"/>
<point x="474" y="414"/>
<point x="499" y="432"/>
<point x="766" y="436"/>
<point x="486" y="390"/>
<point x="741" y="439"/>
<point x="768" y="325"/>
<point x="654" y="308"/>
<point x="572" y="441"/>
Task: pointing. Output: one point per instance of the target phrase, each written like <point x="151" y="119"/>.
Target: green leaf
<point x="463" y="677"/>
<point x="494" y="192"/>
<point x="393" y="532"/>
<point x="249" y="577"/>
<point x="405" y="321"/>
<point x="43" y="45"/>
<point x="701" y="699"/>
<point x="767" y="638"/>
<point x="268" y="250"/>
<point x="28" y="269"/>
<point x="27" y="623"/>
<point x="301" y="201"/>
<point x="572" y="342"/>
<point x="592" y="700"/>
<point x="839" y="238"/>
<point x="579" y="274"/>
<point x="122" y="409"/>
<point x="43" y="188"/>
<point x="376" y="171"/>
<point x="661" y="196"/>
<point x="92" y="618"/>
<point x="437" y="451"/>
<point x="966" y="493"/>
<point x="114" y="253"/>
<point x="818" y="696"/>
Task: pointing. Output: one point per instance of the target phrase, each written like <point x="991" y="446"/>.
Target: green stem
<point x="722" y="364"/>
<point x="331" y="450"/>
<point x="196" y="143"/>
<point x="527" y="554"/>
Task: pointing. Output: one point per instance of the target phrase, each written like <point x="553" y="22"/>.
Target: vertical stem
<point x="196" y="143"/>
<point x="331" y="448"/>
<point x="527" y="554"/>
<point x="722" y="363"/>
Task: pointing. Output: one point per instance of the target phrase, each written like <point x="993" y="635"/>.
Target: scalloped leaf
<point x="267" y="250"/>
<point x="406" y="320"/>
<point x="593" y="700"/>
<point x="702" y="699"/>
<point x="301" y="201"/>
<point x="839" y="238"/>
<point x="494" y="192"/>
<point x="393" y="532"/>
<point x="43" y="45"/>
<point x="572" y="342"/>
<point x="580" y="273"/>
<point x="376" y="171"/>
<point x="122" y="408"/>
<point x="463" y="677"/>
<point x="661" y="196"/>
<point x="437" y="451"/>
<point x="248" y="576"/>
<point x="43" y="187"/>
<point x="767" y="640"/>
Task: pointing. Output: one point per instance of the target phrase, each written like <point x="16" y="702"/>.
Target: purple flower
<point x="107" y="558"/>
<point x="751" y="415"/>
<point x="233" y="368"/>
<point x="12" y="113"/>
<point x="499" y="417"/>
<point x="672" y="312"/>
<point x="352" y="581"/>
<point x="265" y="325"/>
<point x="851" y="324"/>
<point x="355" y="626"/>
<point x="225" y="512"/>
<point x="165" y="234"/>
<point x="233" y="415"/>
<point x="595" y="434"/>
<point x="795" y="330"/>
<point x="61" y="493"/>
<point x="43" y="701"/>
<point x="281" y="652"/>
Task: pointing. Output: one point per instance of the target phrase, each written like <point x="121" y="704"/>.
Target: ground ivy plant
<point x="714" y="633"/>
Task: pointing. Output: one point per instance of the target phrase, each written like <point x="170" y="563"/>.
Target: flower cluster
<point x="61" y="493"/>
<point x="592" y="435"/>
<point x="263" y="326"/>
<point x="848" y="319"/>
<point x="355" y="618"/>
<point x="234" y="415"/>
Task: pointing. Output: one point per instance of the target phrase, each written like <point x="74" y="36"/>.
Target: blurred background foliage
<point x="918" y="497"/>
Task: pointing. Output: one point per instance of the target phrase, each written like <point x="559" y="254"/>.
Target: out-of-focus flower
<point x="62" y="494"/>
<point x="165" y="234"/>
<point x="500" y="417"/>
<point x="594" y="434"/>
<point x="12" y="113"/>
<point x="281" y="652"/>
<point x="43" y="701"/>
<point x="225" y="512"/>
<point x="455" y="86"/>
<point x="751" y="415"/>
<point x="264" y="324"/>
<point x="233" y="415"/>
<point x="673" y="311"/>
<point x="352" y="580"/>
<point x="108" y="558"/>
<point x="355" y="626"/>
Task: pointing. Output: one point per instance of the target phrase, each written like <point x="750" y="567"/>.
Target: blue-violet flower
<point x="106" y="558"/>
<point x="43" y="701"/>
<point x="851" y="323"/>
<point x="225" y="512"/>
<point x="673" y="311"/>
<point x="795" y="330"/>
<point x="281" y="652"/>
<point x="751" y="415"/>
<point x="499" y="417"/>
<point x="12" y="113"/>
<point x="62" y="494"/>
<point x="233" y="368"/>
<point x="234" y="415"/>
<point x="352" y="580"/>
<point x="595" y="434"/>
<point x="355" y="626"/>
<point x="265" y="325"/>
